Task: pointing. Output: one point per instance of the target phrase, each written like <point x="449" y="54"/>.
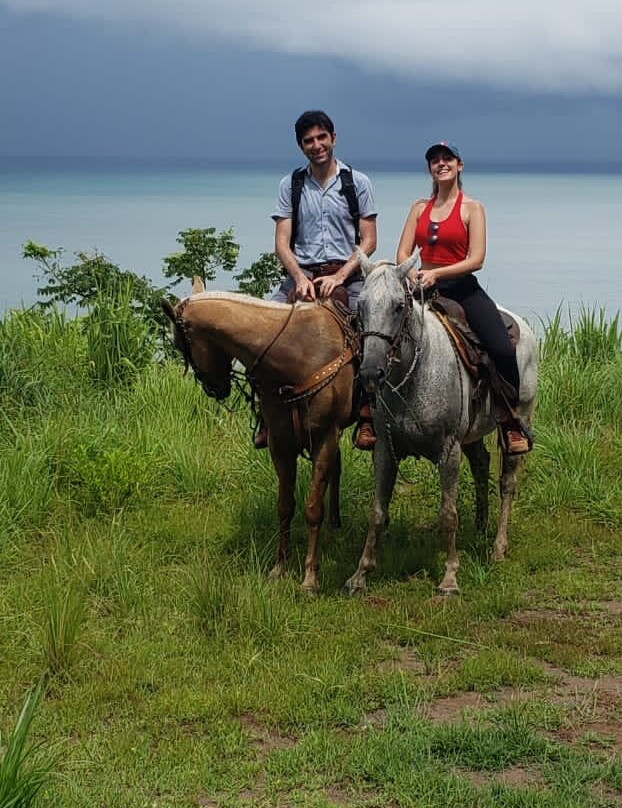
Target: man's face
<point x="317" y="145"/>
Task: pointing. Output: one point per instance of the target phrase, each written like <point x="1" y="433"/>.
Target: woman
<point x="450" y="231"/>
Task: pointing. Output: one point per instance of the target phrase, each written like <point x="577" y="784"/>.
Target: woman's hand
<point x="426" y="278"/>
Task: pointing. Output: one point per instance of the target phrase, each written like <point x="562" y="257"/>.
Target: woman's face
<point x="444" y="166"/>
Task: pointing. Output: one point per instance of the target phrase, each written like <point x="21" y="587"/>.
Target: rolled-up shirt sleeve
<point x="367" y="204"/>
<point x="283" y="207"/>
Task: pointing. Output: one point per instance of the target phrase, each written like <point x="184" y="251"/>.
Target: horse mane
<point x="239" y="297"/>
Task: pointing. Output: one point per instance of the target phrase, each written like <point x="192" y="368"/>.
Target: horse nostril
<point x="373" y="379"/>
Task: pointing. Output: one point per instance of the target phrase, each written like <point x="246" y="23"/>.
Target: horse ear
<point x="404" y="268"/>
<point x="365" y="263"/>
<point x="197" y="285"/>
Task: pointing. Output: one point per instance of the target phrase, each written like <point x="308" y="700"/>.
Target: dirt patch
<point x="374" y="720"/>
<point x="406" y="660"/>
<point x="337" y="796"/>
<point x="612" y="607"/>
<point x="609" y="687"/>
<point x="262" y="738"/>
<point x="377" y="602"/>
<point x="590" y="611"/>
<point x="451" y="708"/>
<point x="513" y="776"/>
<point x="530" y="616"/>
<point x="607" y="796"/>
<point x="593" y="709"/>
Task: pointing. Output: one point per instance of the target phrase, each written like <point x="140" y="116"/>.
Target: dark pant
<point x="485" y="319"/>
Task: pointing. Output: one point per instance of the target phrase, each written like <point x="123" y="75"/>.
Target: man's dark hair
<point x="311" y="118"/>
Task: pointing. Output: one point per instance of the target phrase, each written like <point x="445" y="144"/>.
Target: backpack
<point x="347" y="189"/>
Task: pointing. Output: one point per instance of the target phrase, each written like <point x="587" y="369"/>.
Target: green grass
<point x="25" y="767"/>
<point x="138" y="527"/>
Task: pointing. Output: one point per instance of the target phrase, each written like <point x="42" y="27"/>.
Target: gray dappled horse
<point x="421" y="393"/>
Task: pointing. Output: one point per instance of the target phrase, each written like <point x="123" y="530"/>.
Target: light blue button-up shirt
<point x="325" y="227"/>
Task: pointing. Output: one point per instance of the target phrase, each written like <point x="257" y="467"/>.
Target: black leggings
<point x="485" y="320"/>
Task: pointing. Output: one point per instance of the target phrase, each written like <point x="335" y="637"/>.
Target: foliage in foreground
<point x="137" y="526"/>
<point x="25" y="768"/>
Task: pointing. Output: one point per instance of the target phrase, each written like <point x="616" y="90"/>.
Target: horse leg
<point x="334" y="511"/>
<point x="479" y="462"/>
<point x="285" y="465"/>
<point x="385" y="474"/>
<point x="507" y="487"/>
<point x="323" y="458"/>
<point x="449" y="469"/>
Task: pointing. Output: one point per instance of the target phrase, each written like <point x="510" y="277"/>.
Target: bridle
<point x="402" y="333"/>
<point x="209" y="387"/>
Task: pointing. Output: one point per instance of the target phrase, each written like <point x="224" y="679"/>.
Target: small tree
<point x="204" y="252"/>
<point x="262" y="276"/>
<point x="83" y="283"/>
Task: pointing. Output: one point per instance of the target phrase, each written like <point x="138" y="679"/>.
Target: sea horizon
<point x="236" y="164"/>
<point x="552" y="235"/>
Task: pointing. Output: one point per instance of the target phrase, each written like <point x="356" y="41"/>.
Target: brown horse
<point x="299" y="358"/>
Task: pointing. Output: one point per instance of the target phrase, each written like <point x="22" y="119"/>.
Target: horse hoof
<point x="448" y="591"/>
<point x="352" y="590"/>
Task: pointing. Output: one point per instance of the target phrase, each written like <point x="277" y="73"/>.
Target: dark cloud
<point x="91" y="87"/>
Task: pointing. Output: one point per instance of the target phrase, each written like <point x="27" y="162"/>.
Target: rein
<point x="257" y="360"/>
<point x="402" y="333"/>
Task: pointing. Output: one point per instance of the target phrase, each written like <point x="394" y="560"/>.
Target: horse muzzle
<point x="373" y="376"/>
<point x="218" y="390"/>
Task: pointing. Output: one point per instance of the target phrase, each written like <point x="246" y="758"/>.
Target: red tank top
<point x="450" y="238"/>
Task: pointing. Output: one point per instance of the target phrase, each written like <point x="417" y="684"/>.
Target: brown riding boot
<point x="513" y="439"/>
<point x="365" y="438"/>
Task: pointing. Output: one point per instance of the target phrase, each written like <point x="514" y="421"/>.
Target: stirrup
<point x="515" y="438"/>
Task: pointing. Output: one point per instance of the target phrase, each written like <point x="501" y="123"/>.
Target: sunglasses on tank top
<point x="432" y="233"/>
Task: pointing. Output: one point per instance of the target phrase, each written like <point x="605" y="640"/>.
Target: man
<point x="316" y="233"/>
<point x="320" y="255"/>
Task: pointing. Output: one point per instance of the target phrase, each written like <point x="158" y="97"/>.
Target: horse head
<point x="211" y="365"/>
<point x="384" y="312"/>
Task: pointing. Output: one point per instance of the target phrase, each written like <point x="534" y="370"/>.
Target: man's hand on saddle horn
<point x="305" y="290"/>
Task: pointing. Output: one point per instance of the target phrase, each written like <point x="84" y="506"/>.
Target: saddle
<point x="469" y="348"/>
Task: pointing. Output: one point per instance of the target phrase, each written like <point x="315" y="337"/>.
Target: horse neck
<point x="300" y="343"/>
<point x="287" y="343"/>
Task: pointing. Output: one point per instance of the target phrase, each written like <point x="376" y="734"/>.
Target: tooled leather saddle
<point x="469" y="348"/>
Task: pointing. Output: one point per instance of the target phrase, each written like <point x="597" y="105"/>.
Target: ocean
<point x="553" y="239"/>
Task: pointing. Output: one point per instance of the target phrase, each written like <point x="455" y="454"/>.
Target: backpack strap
<point x="348" y="190"/>
<point x="298" y="180"/>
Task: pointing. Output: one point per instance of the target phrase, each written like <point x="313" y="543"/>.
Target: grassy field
<point x="137" y="528"/>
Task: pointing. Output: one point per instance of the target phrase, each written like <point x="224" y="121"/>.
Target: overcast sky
<point x="225" y="79"/>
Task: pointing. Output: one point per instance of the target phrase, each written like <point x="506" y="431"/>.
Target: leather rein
<point x="403" y="333"/>
<point x="293" y="393"/>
